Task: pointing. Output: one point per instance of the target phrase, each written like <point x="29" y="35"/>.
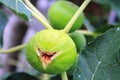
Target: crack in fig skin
<point x="45" y="57"/>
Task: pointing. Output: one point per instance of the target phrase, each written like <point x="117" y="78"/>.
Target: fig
<point x="51" y="51"/>
<point x="60" y="13"/>
<point x="79" y="40"/>
<point x="71" y="70"/>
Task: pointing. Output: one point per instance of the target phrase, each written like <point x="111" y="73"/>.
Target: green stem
<point x="89" y="33"/>
<point x="35" y="10"/>
<point x="36" y="14"/>
<point x="45" y="76"/>
<point x="64" y="76"/>
<point x="2" y="51"/>
<point x="75" y="16"/>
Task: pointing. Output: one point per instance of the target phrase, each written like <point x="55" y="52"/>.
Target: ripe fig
<point x="79" y="40"/>
<point x="51" y="51"/>
<point x="60" y="13"/>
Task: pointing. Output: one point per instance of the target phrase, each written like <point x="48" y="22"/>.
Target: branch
<point x="37" y="14"/>
<point x="64" y="76"/>
<point x="75" y="16"/>
<point x="14" y="49"/>
<point x="89" y="33"/>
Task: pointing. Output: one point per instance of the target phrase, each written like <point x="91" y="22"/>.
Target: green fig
<point x="60" y="13"/>
<point x="71" y="70"/>
<point x="51" y="51"/>
<point x="79" y="40"/>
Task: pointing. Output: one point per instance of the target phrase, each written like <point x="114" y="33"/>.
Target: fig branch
<point x="37" y="14"/>
<point x="89" y="33"/>
<point x="2" y="51"/>
<point x="35" y="10"/>
<point x="45" y="77"/>
<point x="64" y="76"/>
<point x="76" y="15"/>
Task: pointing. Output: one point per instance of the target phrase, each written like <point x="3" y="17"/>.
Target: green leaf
<point x="101" y="58"/>
<point x="3" y="21"/>
<point x="21" y="76"/>
<point x="115" y="4"/>
<point x="18" y="7"/>
<point x="106" y="27"/>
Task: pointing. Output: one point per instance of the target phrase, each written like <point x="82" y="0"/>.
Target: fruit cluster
<point x="53" y="51"/>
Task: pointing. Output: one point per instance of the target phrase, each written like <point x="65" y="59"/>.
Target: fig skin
<point x="79" y="40"/>
<point x="51" y="40"/>
<point x="71" y="70"/>
<point x="60" y="13"/>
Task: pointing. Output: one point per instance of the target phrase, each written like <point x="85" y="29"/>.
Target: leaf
<point x="115" y="4"/>
<point x="106" y="27"/>
<point x="18" y="7"/>
<point x="3" y="21"/>
<point x="21" y="76"/>
<point x="101" y="58"/>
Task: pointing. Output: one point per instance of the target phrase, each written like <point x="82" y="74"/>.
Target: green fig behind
<point x="51" y="51"/>
<point x="61" y="12"/>
<point x="79" y="40"/>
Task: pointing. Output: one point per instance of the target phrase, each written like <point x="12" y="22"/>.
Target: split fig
<point x="51" y="51"/>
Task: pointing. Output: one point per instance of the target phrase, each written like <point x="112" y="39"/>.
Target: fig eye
<point x="45" y="57"/>
<point x="45" y="53"/>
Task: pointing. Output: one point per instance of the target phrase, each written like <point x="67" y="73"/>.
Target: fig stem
<point x="89" y="33"/>
<point x="7" y="51"/>
<point x="35" y="10"/>
<point x="37" y="14"/>
<point x="45" y="77"/>
<point x="64" y="76"/>
<point x="75" y="16"/>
